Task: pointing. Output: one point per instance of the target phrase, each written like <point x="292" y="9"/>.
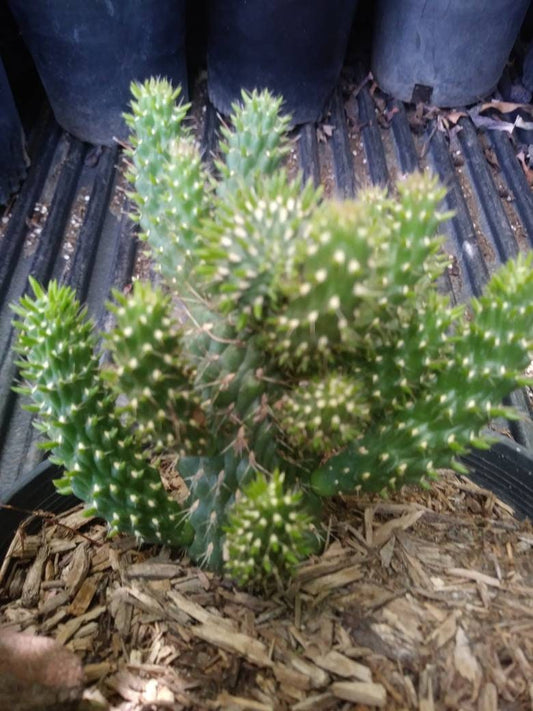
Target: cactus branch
<point x="105" y="466"/>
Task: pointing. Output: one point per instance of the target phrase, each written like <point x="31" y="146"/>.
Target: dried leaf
<point x="505" y="107"/>
<point x="454" y="116"/>
<point x="525" y="167"/>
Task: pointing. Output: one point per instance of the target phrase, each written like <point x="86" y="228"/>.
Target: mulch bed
<point x="423" y="601"/>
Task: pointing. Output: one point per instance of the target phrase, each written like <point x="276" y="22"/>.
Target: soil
<point x="420" y="602"/>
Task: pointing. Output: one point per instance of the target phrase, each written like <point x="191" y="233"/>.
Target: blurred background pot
<point x="295" y="48"/>
<point x="87" y="53"/>
<point x="443" y="52"/>
<point x="12" y="152"/>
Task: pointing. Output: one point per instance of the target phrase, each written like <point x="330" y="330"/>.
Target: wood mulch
<point x="423" y="601"/>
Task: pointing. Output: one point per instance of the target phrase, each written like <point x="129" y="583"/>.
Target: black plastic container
<point x="295" y="48"/>
<point x="443" y="52"/>
<point x="37" y="494"/>
<point x="12" y="153"/>
<point x="87" y="54"/>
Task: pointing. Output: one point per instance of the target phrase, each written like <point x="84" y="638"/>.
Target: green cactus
<point x="290" y="335"/>
<point x="237" y="400"/>
<point x="268" y="533"/>
<point x="104" y="465"/>
<point x="324" y="414"/>
<point x="255" y="144"/>
<point x="213" y="483"/>
<point x="365" y="266"/>
<point x="253" y="221"/>
<point x="149" y="370"/>
<point x="171" y="183"/>
<point x="481" y="361"/>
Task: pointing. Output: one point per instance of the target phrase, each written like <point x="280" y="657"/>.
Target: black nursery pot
<point x="88" y="53"/>
<point x="295" y="48"/>
<point x="12" y="152"/>
<point x="443" y="52"/>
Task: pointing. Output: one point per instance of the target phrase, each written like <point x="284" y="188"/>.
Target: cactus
<point x="251" y="222"/>
<point x="442" y="400"/>
<point x="255" y="144"/>
<point x="324" y="414"/>
<point x="268" y="532"/>
<point x="213" y="484"/>
<point x="104" y="464"/>
<point x="147" y="364"/>
<point x="171" y="183"/>
<point x="297" y="349"/>
<point x="365" y="266"/>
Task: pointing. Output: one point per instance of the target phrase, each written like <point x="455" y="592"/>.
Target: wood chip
<point x="475" y="575"/>
<point x="235" y="642"/>
<point x="53" y="602"/>
<point x="361" y="621"/>
<point x="426" y="696"/>
<point x="95" y="672"/>
<point x="318" y="678"/>
<point x="445" y="631"/>
<point x="32" y="585"/>
<point x="286" y="675"/>
<point x="320" y="702"/>
<point x="76" y="518"/>
<point x="387" y="551"/>
<point x="360" y="692"/>
<point x="384" y="532"/>
<point x="328" y="564"/>
<point x="101" y="559"/>
<point x="76" y="572"/>
<point x="154" y="570"/>
<point x="51" y="623"/>
<point x="334" y="580"/>
<point x="199" y="613"/>
<point x="466" y="663"/>
<point x="229" y="702"/>
<point x="339" y="664"/>
<point x="84" y="597"/>
<point x="68" y="629"/>
<point x="488" y="698"/>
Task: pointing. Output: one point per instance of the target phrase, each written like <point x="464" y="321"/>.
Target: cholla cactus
<point x="294" y="336"/>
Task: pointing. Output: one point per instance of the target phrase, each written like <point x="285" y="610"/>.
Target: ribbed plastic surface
<point x="70" y="221"/>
